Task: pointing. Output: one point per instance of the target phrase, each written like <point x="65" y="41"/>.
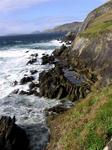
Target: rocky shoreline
<point x="60" y="82"/>
<point x="74" y="69"/>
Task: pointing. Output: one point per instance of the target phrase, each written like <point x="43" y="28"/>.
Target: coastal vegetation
<point x="86" y="126"/>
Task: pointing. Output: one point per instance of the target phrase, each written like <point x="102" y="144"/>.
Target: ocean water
<point x="15" y="52"/>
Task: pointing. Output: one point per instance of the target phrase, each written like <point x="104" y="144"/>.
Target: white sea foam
<point x="13" y="67"/>
<point x="27" y="109"/>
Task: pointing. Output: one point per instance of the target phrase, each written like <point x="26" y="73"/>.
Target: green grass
<point x="100" y="25"/>
<point x="87" y="126"/>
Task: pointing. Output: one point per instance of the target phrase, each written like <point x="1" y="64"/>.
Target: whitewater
<point x="28" y="110"/>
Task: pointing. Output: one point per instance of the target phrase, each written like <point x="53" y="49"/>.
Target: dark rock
<point x="15" y="91"/>
<point x="60" y="83"/>
<point x="34" y="55"/>
<point x="26" y="79"/>
<point x="33" y="72"/>
<point x="47" y="59"/>
<point x="32" y="61"/>
<point x="12" y="137"/>
<point x="36" y="93"/>
<point x="23" y="92"/>
<point x="58" y="109"/>
<point x="33" y="85"/>
<point x="29" y="92"/>
<point x="15" y="83"/>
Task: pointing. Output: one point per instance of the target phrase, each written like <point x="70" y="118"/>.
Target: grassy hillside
<point x="87" y="126"/>
<point x="100" y="25"/>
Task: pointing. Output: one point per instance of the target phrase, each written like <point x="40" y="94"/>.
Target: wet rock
<point x="29" y="92"/>
<point x="47" y="59"/>
<point x="26" y="79"/>
<point x="15" y="91"/>
<point x="58" y="83"/>
<point x="22" y="92"/>
<point x="15" y="83"/>
<point x="58" y="109"/>
<point x="12" y="137"/>
<point x="34" y="55"/>
<point x="33" y="72"/>
<point x="33" y="85"/>
<point x="32" y="61"/>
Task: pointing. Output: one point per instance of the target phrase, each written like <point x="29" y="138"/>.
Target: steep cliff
<point x="92" y="48"/>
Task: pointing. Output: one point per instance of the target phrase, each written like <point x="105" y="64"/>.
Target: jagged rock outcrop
<point x="12" y="137"/>
<point x="26" y="79"/>
<point x="47" y="59"/>
<point x="61" y="83"/>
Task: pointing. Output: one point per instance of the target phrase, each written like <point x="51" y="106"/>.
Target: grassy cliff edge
<point x="87" y="126"/>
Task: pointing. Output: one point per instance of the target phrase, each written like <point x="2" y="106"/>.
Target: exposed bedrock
<point x="12" y="137"/>
<point x="62" y="83"/>
<point x="47" y="59"/>
<point x="26" y="79"/>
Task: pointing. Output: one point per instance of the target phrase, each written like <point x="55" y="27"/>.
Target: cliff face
<point x="92" y="48"/>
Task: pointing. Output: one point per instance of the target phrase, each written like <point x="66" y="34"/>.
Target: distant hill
<point x="35" y="32"/>
<point x="69" y="27"/>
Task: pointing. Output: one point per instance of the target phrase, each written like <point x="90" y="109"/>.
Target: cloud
<point x="6" y="5"/>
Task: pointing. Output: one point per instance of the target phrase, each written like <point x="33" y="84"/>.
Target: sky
<point x="27" y="16"/>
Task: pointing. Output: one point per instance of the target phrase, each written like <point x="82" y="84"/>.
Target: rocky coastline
<point x="76" y="68"/>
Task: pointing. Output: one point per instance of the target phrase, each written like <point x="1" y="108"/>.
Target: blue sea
<point x="15" y="52"/>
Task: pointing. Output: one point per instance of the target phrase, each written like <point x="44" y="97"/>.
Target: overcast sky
<point x="25" y="16"/>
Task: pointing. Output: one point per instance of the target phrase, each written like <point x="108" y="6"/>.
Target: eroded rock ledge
<point x="61" y="82"/>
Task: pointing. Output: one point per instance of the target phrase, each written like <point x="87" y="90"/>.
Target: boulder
<point x="12" y="137"/>
<point x="15" y="83"/>
<point x="33" y="72"/>
<point x="33" y="85"/>
<point x="15" y="91"/>
<point x="26" y="79"/>
<point x="34" y="55"/>
<point x="47" y="59"/>
<point x="31" y="61"/>
<point x="58" y="109"/>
